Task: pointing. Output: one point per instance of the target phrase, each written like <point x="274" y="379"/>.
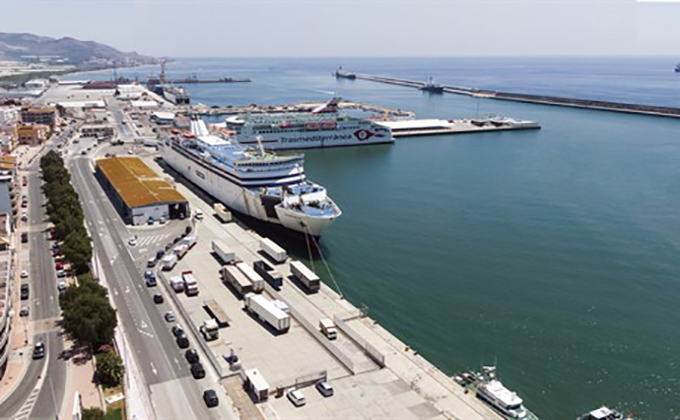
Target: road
<point x="35" y="397"/>
<point x="174" y="393"/>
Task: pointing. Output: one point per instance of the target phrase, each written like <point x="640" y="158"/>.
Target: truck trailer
<point x="190" y="283"/>
<point x="222" y="251"/>
<point x="306" y="276"/>
<point x="268" y="312"/>
<point x="239" y="281"/>
<point x="255" y="279"/>
<point x="274" y="251"/>
<point x="269" y="274"/>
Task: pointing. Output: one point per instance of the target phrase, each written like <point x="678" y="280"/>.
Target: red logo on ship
<point x="363" y="135"/>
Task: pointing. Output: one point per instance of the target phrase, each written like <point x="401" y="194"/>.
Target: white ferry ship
<point x="499" y="397"/>
<point x="322" y="127"/>
<point x="250" y="180"/>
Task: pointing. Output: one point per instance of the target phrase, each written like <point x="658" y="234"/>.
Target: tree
<point x="88" y="316"/>
<point x="93" y="414"/>
<point x="110" y="369"/>
<point x="77" y="249"/>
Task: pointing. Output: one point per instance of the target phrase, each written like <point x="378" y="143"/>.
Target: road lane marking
<point x="153" y="369"/>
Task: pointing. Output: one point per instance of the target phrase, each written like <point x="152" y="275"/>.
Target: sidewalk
<point x="80" y="373"/>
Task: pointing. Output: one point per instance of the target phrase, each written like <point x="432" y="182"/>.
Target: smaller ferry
<point x="602" y="413"/>
<point x="677" y="68"/>
<point x="432" y="87"/>
<point x="341" y="73"/>
<point x="489" y="389"/>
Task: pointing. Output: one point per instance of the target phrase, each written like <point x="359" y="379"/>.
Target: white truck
<point x="328" y="328"/>
<point x="180" y="250"/>
<point x="190" y="283"/>
<point x="255" y="279"/>
<point x="210" y="330"/>
<point x="189" y="241"/>
<point x="267" y="312"/>
<point x="168" y="262"/>
<point x="274" y="251"/>
<point x="306" y="276"/>
<point x="238" y="281"/>
<point x="222" y="251"/>
<point x="256" y="385"/>
<point x="221" y="212"/>
<point x="177" y="284"/>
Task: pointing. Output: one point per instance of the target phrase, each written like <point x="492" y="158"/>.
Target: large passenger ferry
<point x="252" y="181"/>
<point x="323" y="127"/>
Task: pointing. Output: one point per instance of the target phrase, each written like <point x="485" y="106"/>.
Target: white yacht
<point x="252" y="181"/>
<point x="499" y="397"/>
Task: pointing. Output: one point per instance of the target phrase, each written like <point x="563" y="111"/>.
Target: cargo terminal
<point x="138" y="193"/>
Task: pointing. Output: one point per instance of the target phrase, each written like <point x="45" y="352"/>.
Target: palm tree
<point x="110" y="368"/>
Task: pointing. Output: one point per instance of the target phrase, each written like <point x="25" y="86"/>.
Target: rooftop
<point x="137" y="184"/>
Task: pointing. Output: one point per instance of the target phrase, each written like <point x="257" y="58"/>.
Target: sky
<point x="357" y="28"/>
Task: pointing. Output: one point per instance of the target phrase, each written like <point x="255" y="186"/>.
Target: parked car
<point x="151" y="282"/>
<point x="177" y="330"/>
<point x="183" y="341"/>
<point x="210" y="398"/>
<point x="169" y="316"/>
<point x="157" y="298"/>
<point x="24" y="292"/>
<point x="24" y="237"/>
<point x="198" y="214"/>
<point x="197" y="370"/>
<point x="324" y="388"/>
<point x="296" y="397"/>
<point x="24" y="311"/>
<point x="192" y="356"/>
<point x="132" y="241"/>
<point x="61" y="273"/>
<point x="24" y="274"/>
<point x="151" y="262"/>
<point x="61" y="287"/>
<point x="38" y="350"/>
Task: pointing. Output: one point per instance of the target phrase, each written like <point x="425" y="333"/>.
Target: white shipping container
<point x="270" y="248"/>
<point x="222" y="251"/>
<point x="268" y="312"/>
<point x="237" y="279"/>
<point x="255" y="279"/>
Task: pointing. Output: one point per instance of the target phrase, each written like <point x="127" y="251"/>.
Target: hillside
<point x="26" y="47"/>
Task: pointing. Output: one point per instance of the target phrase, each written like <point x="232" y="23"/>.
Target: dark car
<point x="24" y="237"/>
<point x="24" y="291"/>
<point x="151" y="282"/>
<point x="183" y="341"/>
<point x="197" y="370"/>
<point x="177" y="330"/>
<point x="160" y="253"/>
<point x="39" y="351"/>
<point x="191" y="356"/>
<point x="210" y="398"/>
<point x="158" y="298"/>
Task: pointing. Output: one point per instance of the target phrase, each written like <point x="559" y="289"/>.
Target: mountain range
<point x="29" y="47"/>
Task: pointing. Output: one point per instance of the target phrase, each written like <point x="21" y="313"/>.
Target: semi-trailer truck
<point x="274" y="251"/>
<point x="269" y="274"/>
<point x="222" y="251"/>
<point x="238" y="281"/>
<point x="267" y="312"/>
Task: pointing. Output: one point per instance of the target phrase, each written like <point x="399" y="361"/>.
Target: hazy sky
<point x="357" y="27"/>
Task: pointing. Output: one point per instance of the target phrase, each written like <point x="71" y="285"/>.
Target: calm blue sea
<point x="553" y="252"/>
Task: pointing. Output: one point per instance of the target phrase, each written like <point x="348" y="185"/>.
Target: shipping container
<point x="190" y="283"/>
<point x="256" y="385"/>
<point x="306" y="276"/>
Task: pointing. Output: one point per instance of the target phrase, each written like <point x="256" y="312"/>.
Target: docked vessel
<point x="175" y="94"/>
<point x="251" y="181"/>
<point x="341" y="73"/>
<point x="432" y="87"/>
<point x="303" y="130"/>
<point x="677" y="68"/>
<point x="602" y="413"/>
<point x="490" y="390"/>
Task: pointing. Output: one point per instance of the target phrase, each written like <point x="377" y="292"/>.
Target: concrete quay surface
<point x="407" y="386"/>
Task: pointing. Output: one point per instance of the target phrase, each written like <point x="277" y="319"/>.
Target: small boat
<point x="432" y="87"/>
<point x="602" y="413"/>
<point x="677" y="68"/>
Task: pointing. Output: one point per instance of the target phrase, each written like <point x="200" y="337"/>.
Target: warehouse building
<point x="138" y="193"/>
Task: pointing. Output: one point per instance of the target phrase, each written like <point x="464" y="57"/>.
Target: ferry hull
<point x="238" y="198"/>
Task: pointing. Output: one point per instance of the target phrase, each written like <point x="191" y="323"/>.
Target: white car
<point x="198" y="214"/>
<point x="61" y="286"/>
<point x="132" y="241"/>
<point x="296" y="397"/>
<point x="24" y="274"/>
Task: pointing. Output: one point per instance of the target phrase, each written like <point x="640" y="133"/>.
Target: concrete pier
<point x="659" y="111"/>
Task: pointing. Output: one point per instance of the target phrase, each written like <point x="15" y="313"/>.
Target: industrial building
<point x="138" y="193"/>
<point x="46" y="116"/>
